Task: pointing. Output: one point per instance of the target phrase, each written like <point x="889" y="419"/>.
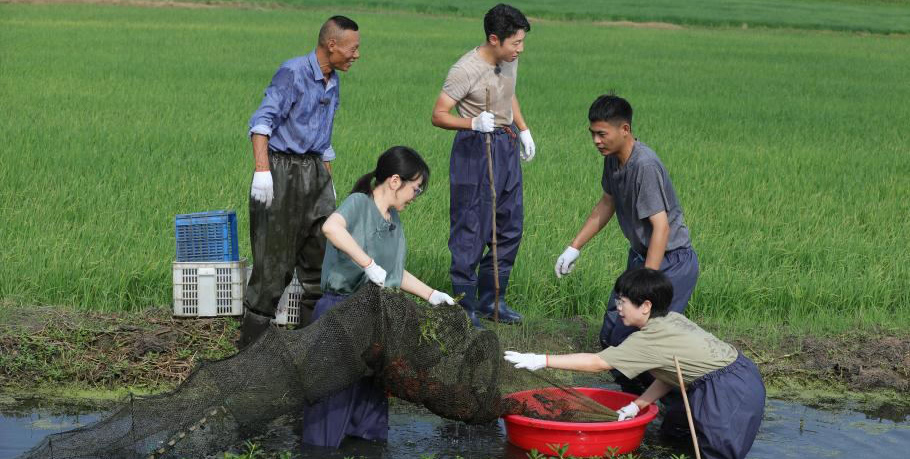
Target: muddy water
<point x="24" y="424"/>
<point x="788" y="431"/>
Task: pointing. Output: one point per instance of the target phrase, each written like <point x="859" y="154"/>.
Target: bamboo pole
<point x="493" y="207"/>
<point x="682" y="388"/>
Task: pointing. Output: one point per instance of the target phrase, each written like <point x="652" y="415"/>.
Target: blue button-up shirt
<point x="298" y="109"/>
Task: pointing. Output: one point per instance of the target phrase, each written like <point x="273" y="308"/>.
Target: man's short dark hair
<point x="612" y="109"/>
<point x="504" y="21"/>
<point x="335" y="25"/>
<point x="644" y="284"/>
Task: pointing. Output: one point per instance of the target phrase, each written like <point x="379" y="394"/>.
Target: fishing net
<point x="430" y="356"/>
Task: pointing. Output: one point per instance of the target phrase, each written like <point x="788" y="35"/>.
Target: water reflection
<point x="789" y="430"/>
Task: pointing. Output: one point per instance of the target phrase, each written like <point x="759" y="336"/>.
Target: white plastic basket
<point x="209" y="289"/>
<point x="288" y="312"/>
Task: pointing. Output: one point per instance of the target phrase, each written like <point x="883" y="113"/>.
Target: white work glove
<point x="566" y="262"/>
<point x="262" y="189"/>
<point x="528" y="149"/>
<point x="532" y="362"/>
<point x="628" y="412"/>
<point x="437" y="298"/>
<point x="375" y="273"/>
<point x="483" y="122"/>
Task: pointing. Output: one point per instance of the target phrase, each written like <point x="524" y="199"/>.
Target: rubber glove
<point x="527" y="143"/>
<point x="375" y="273"/>
<point x="628" y="412"/>
<point x="483" y="122"/>
<point x="566" y="262"/>
<point x="262" y="189"/>
<point x="438" y="297"/>
<point x="531" y="362"/>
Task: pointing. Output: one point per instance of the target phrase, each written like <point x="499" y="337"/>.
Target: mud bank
<point x="69" y="354"/>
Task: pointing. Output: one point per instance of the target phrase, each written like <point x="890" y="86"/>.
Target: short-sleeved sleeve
<point x="353" y="207"/>
<point x="458" y="83"/>
<point x="652" y="195"/>
<point x="631" y="358"/>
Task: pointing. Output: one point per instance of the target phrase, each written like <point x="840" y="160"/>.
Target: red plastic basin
<point x="584" y="438"/>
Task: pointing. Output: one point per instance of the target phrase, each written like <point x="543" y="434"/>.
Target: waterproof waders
<point x="287" y="237"/>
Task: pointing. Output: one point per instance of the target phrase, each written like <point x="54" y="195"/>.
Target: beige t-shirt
<point x="467" y="82"/>
<point x="652" y="349"/>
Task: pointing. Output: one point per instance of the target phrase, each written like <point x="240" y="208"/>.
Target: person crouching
<point x="724" y="387"/>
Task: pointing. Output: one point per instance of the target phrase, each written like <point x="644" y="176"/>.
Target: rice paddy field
<point x="788" y="147"/>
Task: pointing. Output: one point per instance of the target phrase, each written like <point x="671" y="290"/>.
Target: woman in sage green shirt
<point x="366" y="244"/>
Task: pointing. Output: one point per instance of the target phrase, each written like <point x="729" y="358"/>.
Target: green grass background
<point x="879" y="16"/>
<point x="788" y="149"/>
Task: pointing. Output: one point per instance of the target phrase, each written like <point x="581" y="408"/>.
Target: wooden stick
<point x="682" y="388"/>
<point x="493" y="206"/>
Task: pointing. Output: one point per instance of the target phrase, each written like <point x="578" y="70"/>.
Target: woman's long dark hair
<point x="400" y="160"/>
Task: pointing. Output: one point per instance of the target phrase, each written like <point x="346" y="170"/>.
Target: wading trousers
<point x="470" y="211"/>
<point x="679" y="265"/>
<point x="287" y="235"/>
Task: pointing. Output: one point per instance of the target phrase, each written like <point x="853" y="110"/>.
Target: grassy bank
<point x="63" y="354"/>
<point x="787" y="150"/>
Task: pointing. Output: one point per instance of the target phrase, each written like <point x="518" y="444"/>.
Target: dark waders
<point x="287" y="236"/>
<point x="470" y="234"/>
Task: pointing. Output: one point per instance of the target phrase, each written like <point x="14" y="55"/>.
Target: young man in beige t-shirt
<point x="724" y="387"/>
<point x="491" y="69"/>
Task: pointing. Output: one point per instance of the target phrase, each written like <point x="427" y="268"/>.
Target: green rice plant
<point x="884" y="16"/>
<point x="787" y="149"/>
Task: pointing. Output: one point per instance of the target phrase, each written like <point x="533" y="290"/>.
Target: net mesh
<point x="430" y="356"/>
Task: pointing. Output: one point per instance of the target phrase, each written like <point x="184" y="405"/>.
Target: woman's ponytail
<point x="365" y="183"/>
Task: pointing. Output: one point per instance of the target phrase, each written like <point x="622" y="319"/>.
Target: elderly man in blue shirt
<point x="292" y="192"/>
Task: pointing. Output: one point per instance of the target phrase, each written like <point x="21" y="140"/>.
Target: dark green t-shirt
<point x="381" y="239"/>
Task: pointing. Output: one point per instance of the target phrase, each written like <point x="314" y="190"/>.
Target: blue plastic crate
<point x="207" y="236"/>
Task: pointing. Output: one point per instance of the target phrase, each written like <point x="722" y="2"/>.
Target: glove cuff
<point x="573" y="250"/>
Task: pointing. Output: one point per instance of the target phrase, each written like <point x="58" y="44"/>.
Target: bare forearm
<point x="600" y="216"/>
<point x="579" y="362"/>
<point x="657" y="246"/>
<point x="443" y="117"/>
<point x="656" y="390"/>
<point x="260" y="152"/>
<point x="446" y="120"/>
<point x="517" y="117"/>
<point x="415" y="286"/>
<point x="328" y="166"/>
<point x="336" y="233"/>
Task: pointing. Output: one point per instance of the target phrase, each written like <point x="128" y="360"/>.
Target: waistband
<point x="668" y="253"/>
<point x="741" y="363"/>
<point x="334" y="295"/>
<point x="294" y="155"/>
<point x="511" y="131"/>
